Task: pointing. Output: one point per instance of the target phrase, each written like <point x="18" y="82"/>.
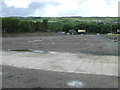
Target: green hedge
<point x="15" y="25"/>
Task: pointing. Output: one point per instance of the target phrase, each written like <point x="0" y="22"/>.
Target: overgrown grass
<point x="114" y="35"/>
<point x="91" y="33"/>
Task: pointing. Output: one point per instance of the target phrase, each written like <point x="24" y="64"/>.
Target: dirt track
<point x="92" y="44"/>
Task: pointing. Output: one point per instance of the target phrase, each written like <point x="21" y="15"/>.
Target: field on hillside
<point x="87" y="19"/>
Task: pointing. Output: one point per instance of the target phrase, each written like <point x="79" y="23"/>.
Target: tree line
<point x="90" y="27"/>
<point x="15" y="25"/>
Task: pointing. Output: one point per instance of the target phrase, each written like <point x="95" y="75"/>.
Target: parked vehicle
<point x="81" y="31"/>
<point x="72" y="32"/>
<point x="118" y="31"/>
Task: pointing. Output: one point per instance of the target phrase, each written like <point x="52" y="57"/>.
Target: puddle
<point x="21" y="50"/>
<point x="34" y="51"/>
<point x="43" y="51"/>
<point x="52" y="52"/>
<point x="76" y="84"/>
<point x="39" y="51"/>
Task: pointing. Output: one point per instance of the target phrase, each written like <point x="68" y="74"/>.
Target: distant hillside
<point x="72" y="18"/>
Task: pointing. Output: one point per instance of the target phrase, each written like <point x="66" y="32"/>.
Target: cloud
<point x="81" y="8"/>
<point x="119" y="9"/>
<point x="101" y="7"/>
<point x="18" y="3"/>
<point x="64" y="8"/>
<point x="53" y="8"/>
<point x="12" y="11"/>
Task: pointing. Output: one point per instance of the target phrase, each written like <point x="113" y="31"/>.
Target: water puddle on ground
<point x="52" y="52"/>
<point x="20" y="50"/>
<point x="34" y="51"/>
<point x="38" y="51"/>
<point x="75" y="84"/>
<point x="43" y="51"/>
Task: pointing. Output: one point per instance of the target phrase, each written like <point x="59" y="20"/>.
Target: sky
<point x="59" y="8"/>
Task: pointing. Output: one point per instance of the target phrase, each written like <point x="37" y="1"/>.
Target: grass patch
<point x="114" y="35"/>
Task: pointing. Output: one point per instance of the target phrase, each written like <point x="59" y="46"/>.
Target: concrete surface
<point x="63" y="62"/>
<point x="32" y="78"/>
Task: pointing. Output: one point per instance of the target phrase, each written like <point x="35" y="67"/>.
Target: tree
<point x="45" y="25"/>
<point x="10" y="25"/>
<point x="66" y="27"/>
<point x="38" y="26"/>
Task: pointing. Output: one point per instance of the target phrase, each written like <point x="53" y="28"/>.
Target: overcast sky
<point x="59" y="8"/>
